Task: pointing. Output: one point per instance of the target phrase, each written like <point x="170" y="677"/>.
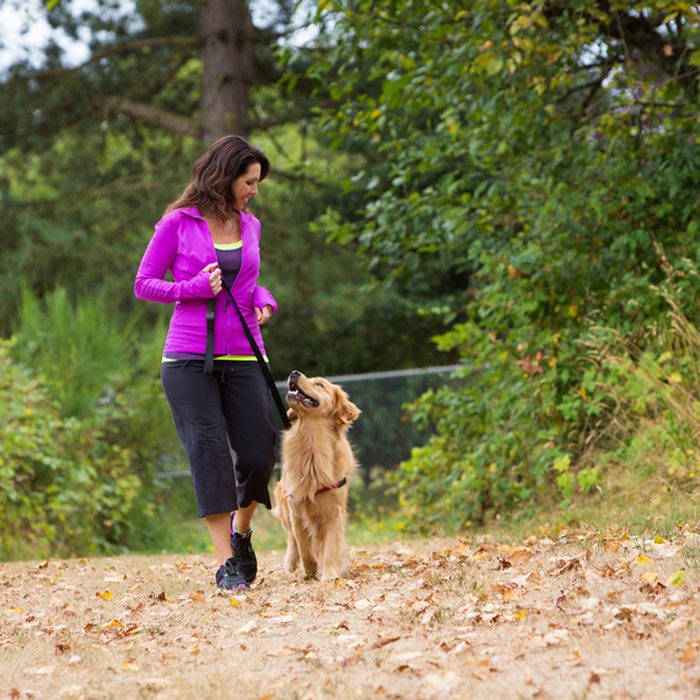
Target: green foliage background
<point x="530" y="167"/>
<point x="511" y="185"/>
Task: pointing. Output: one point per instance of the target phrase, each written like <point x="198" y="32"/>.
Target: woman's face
<point x="245" y="187"/>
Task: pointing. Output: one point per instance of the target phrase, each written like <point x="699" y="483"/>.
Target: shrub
<point x="63" y="490"/>
<point x="84" y="429"/>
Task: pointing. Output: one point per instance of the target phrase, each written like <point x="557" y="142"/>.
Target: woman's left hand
<point x="263" y="314"/>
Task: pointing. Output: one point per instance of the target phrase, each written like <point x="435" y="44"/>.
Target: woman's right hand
<point x="214" y="276"/>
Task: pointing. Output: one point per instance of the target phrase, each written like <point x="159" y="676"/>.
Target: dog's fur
<point x="315" y="454"/>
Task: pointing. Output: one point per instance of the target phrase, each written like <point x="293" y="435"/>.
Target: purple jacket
<point x="182" y="243"/>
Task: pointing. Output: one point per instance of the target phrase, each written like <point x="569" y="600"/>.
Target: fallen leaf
<point x="44" y="670"/>
<point x="642" y="560"/>
<point x="243" y="629"/>
<point x="555" y="637"/>
<point x="677" y="578"/>
<point x="689" y="654"/>
<point x="426" y="617"/>
<point x="155" y="683"/>
<point x="574" y="659"/>
<point x="383" y="641"/>
<point x="111" y="624"/>
<point x="106" y="595"/>
<point x="520" y="555"/>
<point x="564" y="565"/>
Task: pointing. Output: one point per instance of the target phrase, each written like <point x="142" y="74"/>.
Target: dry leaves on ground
<point x="571" y="615"/>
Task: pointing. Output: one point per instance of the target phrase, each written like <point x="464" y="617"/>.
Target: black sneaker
<point x="229" y="577"/>
<point x="243" y="555"/>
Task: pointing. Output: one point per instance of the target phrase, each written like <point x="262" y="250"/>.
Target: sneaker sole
<point x="237" y="587"/>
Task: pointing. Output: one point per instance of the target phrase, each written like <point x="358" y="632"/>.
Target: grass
<point x="623" y="502"/>
<point x="647" y="508"/>
<point x="373" y="517"/>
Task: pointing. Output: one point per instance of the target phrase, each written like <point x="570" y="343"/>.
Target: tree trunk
<point x="227" y="60"/>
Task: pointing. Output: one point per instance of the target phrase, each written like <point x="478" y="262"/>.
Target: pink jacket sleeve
<point x="262" y="296"/>
<point x="157" y="260"/>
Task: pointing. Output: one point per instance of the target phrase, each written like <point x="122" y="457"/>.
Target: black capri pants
<point x="224" y="421"/>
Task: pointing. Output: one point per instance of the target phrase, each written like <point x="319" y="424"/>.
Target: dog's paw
<point x="331" y="574"/>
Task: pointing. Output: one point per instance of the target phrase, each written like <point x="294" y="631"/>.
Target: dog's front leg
<point x="291" y="558"/>
<point x="333" y="550"/>
<point x="303" y="542"/>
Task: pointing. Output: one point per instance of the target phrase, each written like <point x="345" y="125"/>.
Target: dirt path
<point x="591" y="615"/>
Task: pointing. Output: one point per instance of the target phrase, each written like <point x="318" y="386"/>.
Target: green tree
<point x="524" y="163"/>
<point x="93" y="153"/>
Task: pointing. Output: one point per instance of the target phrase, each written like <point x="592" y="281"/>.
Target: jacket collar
<point x="194" y="213"/>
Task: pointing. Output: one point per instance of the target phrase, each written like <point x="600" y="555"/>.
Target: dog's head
<point x="316" y="397"/>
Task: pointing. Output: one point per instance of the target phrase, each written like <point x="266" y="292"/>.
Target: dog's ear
<point x="292" y="415"/>
<point x="345" y="411"/>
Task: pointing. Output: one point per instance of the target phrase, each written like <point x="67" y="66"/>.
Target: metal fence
<point x="383" y="435"/>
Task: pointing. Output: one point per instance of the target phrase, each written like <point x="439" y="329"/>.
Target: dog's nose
<point x="294" y="374"/>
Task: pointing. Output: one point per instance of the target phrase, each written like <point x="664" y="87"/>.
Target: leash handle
<point x="261" y="361"/>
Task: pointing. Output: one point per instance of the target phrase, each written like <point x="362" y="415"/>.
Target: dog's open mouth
<point x="295" y="394"/>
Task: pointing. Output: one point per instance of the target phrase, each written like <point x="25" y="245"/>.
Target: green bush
<point x="85" y="428"/>
<point x="516" y="184"/>
<point x="76" y="345"/>
<point x="63" y="489"/>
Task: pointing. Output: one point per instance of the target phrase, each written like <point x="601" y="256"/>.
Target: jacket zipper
<point x="227" y="307"/>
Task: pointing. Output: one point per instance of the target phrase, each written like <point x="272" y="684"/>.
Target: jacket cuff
<point x="262" y="296"/>
<point x="200" y="287"/>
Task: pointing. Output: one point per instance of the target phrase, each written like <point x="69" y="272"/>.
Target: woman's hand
<point x="214" y="276"/>
<point x="263" y="314"/>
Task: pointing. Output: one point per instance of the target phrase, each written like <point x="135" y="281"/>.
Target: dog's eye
<point x="319" y="384"/>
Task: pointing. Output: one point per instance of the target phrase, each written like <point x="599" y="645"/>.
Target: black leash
<point x="209" y="357"/>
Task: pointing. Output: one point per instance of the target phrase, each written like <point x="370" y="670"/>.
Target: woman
<point x="206" y="236"/>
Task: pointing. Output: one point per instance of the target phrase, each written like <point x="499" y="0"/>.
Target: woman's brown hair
<point x="211" y="186"/>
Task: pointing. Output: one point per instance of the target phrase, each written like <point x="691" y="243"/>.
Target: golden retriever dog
<point x="311" y="496"/>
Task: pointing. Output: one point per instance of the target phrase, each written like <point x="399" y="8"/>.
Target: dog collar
<point x="342" y="482"/>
